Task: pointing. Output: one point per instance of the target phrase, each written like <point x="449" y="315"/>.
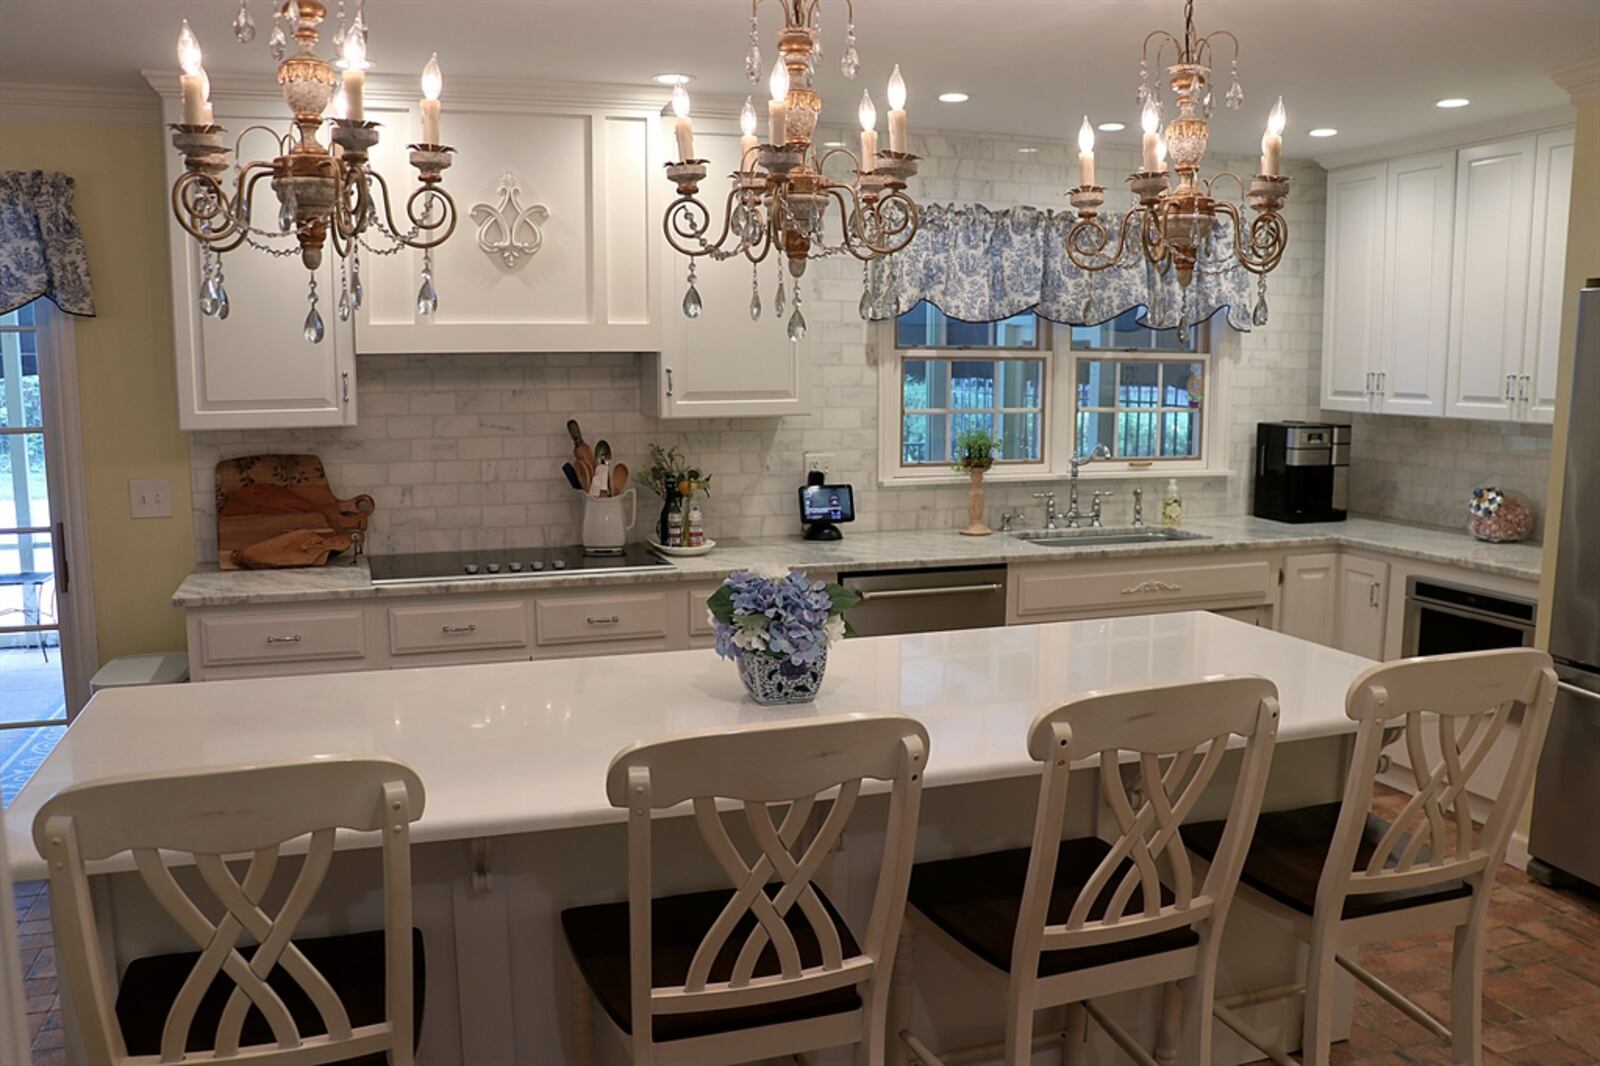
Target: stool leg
<point x="1074" y="1035"/>
<point x="1171" y="1018"/>
<point x="582" y="1015"/>
<point x="900" y="986"/>
<point x="1466" y="994"/>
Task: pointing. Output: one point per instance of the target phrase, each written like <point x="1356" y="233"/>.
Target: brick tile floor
<point x="1541" y="984"/>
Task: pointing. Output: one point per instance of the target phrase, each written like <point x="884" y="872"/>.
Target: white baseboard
<point x="1517" y="851"/>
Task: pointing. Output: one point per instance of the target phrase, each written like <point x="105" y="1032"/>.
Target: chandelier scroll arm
<point x="410" y="238"/>
<point x="1259" y="244"/>
<point x="688" y="208"/>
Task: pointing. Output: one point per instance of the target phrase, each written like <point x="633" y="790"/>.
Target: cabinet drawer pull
<point x="1510" y="379"/>
<point x="609" y="620"/>
<point x="1151" y="586"/>
<point x="294" y="639"/>
<point x="669" y="382"/>
<point x="1372" y="595"/>
<point x="469" y="628"/>
<point x="1522" y="387"/>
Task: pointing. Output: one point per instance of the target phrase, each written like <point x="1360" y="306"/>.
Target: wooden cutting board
<point x="261" y="497"/>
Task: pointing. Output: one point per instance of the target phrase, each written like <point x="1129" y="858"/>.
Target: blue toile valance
<point x="41" y="246"/>
<point x="982" y="265"/>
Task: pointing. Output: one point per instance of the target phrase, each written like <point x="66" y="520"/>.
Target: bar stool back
<point x="722" y="998"/>
<point x="206" y="816"/>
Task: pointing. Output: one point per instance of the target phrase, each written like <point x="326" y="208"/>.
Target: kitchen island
<point x="517" y="826"/>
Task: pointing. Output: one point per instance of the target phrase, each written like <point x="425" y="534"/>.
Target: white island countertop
<point x="523" y="747"/>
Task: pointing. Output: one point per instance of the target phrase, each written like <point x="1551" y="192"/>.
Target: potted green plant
<point x="975" y="450"/>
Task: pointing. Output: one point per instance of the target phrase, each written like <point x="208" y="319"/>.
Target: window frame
<point x="1218" y="349"/>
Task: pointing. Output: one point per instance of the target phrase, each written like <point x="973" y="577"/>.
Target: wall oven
<point x="1443" y="618"/>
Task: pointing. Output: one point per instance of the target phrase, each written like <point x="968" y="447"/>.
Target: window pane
<point x="1136" y="434"/>
<point x="916" y="328"/>
<point x="1125" y="332"/>
<point x="1095" y="428"/>
<point x="972" y="383"/>
<point x="1020" y="437"/>
<point x="1021" y="383"/>
<point x="1180" y="434"/>
<point x="1097" y="383"/>
<point x="1018" y="331"/>
<point x="1183" y="384"/>
<point x="22" y="316"/>
<point x="925" y="326"/>
<point x="19" y="380"/>
<point x="964" y="420"/>
<point x="925" y="383"/>
<point x="1138" y="387"/>
<point x="924" y="439"/>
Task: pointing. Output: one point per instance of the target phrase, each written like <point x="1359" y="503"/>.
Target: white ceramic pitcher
<point x="604" y="528"/>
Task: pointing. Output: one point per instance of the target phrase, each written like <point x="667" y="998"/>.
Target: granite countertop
<point x="211" y="587"/>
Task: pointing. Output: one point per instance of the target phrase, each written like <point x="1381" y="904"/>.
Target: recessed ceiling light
<point x="1324" y="131"/>
<point x="672" y="79"/>
<point x="1452" y="102"/>
<point x="1027" y="151"/>
<point x="953" y="98"/>
<point x="1111" y="127"/>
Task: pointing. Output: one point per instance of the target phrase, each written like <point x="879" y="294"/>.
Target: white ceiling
<point x="1371" y="68"/>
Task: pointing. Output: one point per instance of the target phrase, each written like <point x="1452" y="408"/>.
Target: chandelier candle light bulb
<point x="683" y="126"/>
<point x="778" y="106"/>
<point x="355" y="76"/>
<point x="432" y="84"/>
<point x="897" y="111"/>
<point x="1150" y="121"/>
<point x="747" y="138"/>
<point x="193" y="79"/>
<point x="869" y="133"/>
<point x="1086" y="153"/>
<point x="1272" y="140"/>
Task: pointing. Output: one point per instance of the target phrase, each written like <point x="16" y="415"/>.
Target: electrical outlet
<point x="150" y="499"/>
<point x="819" y="462"/>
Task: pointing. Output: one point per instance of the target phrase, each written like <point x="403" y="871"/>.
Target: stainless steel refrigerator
<point x="1565" y="835"/>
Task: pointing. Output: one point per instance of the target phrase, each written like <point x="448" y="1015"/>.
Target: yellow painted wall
<point x="127" y="391"/>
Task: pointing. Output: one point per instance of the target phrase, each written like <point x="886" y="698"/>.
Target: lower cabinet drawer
<point x="595" y="618"/>
<point x="458" y="627"/>
<point x="1138" y="589"/>
<point x="244" y="639"/>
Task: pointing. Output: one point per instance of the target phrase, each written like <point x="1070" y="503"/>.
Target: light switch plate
<point x="150" y="499"/>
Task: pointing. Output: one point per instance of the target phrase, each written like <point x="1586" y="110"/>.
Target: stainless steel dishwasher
<point x="925" y="601"/>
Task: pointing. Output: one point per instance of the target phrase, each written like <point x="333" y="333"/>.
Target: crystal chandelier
<point x="326" y="196"/>
<point x="780" y="196"/>
<point x="1173" y="227"/>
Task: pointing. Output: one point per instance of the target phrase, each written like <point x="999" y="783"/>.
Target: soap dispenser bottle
<point x="1172" y="505"/>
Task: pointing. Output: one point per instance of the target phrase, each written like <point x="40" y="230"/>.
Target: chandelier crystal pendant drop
<point x="1173" y="227"/>
<point x="780" y="197"/>
<point x="327" y="194"/>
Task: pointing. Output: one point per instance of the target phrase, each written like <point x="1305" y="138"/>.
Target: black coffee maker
<point x="1302" y="471"/>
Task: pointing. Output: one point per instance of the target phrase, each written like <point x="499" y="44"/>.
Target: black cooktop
<point x="532" y="563"/>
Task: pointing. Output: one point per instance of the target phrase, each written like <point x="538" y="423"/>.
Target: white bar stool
<point x="768" y="967"/>
<point x="1341" y="876"/>
<point x="333" y="999"/>
<point x="1063" y="922"/>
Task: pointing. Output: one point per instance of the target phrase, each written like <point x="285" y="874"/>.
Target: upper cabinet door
<point x="555" y="247"/>
<point x="1552" y="195"/>
<point x="1489" y="290"/>
<point x="255" y="369"/>
<point x="1416" y="306"/>
<point x="1353" y="286"/>
<point x="723" y="363"/>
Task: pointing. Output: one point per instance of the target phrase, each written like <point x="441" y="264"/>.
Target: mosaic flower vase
<point x="773" y="681"/>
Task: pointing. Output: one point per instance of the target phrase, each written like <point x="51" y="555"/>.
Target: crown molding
<point x="1581" y="80"/>
<point x="1458" y="137"/>
<point x="78" y="105"/>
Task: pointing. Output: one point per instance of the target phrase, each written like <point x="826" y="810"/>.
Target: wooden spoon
<point x="584" y="453"/>
<point x="619" y="478"/>
<point x="585" y="472"/>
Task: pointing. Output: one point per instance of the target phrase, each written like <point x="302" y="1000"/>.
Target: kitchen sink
<point x="1093" y="538"/>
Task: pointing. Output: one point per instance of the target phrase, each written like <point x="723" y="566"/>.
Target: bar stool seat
<point x="975" y="900"/>
<point x="1288" y="852"/>
<point x="598" y="936"/>
<point x="353" y="963"/>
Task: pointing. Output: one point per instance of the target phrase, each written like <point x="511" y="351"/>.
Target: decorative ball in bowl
<point x="777" y="626"/>
<point x="1499" y="515"/>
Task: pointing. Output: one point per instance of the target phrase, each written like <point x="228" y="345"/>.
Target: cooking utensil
<point x="619" y="478"/>
<point x="602" y="452"/>
<point x="574" y="431"/>
<point x="261" y="496"/>
<point x="586" y="453"/>
<point x="602" y="481"/>
<point x="572" y="475"/>
<point x="585" y="473"/>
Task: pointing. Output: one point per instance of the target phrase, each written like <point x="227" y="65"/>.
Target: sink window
<point x="1049" y="392"/>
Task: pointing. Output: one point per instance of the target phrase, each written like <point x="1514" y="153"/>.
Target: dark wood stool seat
<point x="598" y="938"/>
<point x="352" y="963"/>
<point x="1290" y="847"/>
<point x="975" y="900"/>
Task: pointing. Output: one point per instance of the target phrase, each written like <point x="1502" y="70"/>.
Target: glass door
<point x="33" y="692"/>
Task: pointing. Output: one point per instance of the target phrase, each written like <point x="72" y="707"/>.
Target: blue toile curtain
<point x="41" y="246"/>
<point x="981" y="265"/>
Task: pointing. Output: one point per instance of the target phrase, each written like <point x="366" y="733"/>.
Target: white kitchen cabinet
<point x="1552" y="194"/>
<point x="1352" y="315"/>
<point x="1414" y="340"/>
<point x="1309" y="600"/>
<point x="578" y="187"/>
<point x="254" y="369"/>
<point x="723" y="364"/>
<point x="1363" y="604"/>
<point x="1494" y="209"/>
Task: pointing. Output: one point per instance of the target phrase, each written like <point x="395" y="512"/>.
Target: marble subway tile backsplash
<point x="464" y="451"/>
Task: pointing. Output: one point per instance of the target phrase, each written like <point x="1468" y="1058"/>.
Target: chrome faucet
<point x="1010" y="521"/>
<point x="1138" y="508"/>
<point x="1094" y="512"/>
<point x="1050" y="512"/>
<point x="1073" y="515"/>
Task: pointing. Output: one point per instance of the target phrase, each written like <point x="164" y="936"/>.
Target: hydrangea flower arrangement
<point x="780" y="614"/>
